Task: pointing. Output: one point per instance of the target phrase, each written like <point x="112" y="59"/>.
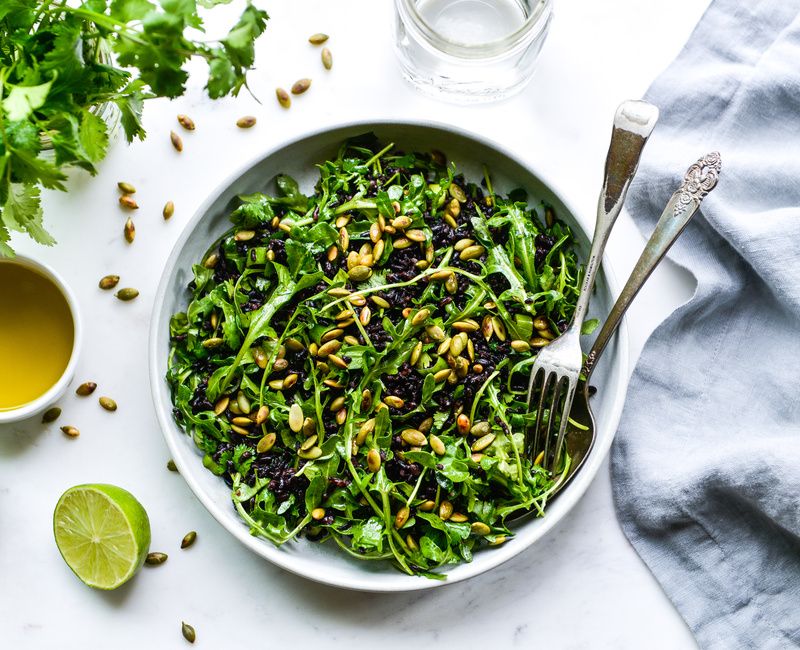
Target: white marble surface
<point x="582" y="586"/>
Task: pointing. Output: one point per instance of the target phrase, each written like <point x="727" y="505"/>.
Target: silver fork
<point x="558" y="366"/>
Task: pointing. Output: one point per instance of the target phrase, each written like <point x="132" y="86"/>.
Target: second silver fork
<point x="557" y="367"/>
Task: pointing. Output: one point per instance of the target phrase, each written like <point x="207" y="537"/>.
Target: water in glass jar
<point x="473" y="22"/>
<point x="470" y="50"/>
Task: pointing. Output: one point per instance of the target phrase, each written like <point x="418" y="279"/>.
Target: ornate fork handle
<point x="698" y="181"/>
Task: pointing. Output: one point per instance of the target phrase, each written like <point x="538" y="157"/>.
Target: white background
<point x="582" y="586"/>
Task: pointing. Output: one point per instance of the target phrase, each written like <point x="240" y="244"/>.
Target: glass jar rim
<point x="480" y="50"/>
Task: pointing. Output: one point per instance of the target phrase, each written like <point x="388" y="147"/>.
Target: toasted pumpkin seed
<point x="168" y="211"/>
<point x="240" y="430"/>
<point x="415" y="354"/>
<point x="420" y="317"/>
<point x="458" y="343"/>
<point x="444" y="346"/>
<point x="246" y="122"/>
<point x="401" y="517"/>
<point x="127" y="201"/>
<point x="364" y="430"/>
<point x="380" y="302"/>
<point x="327" y="58"/>
<point x="463" y="424"/>
<point x="290" y="380"/>
<point x="176" y="140"/>
<point x="211" y="261"/>
<point x="283" y="97"/>
<point x="445" y="510"/>
<point x="262" y="414"/>
<point x="171" y="466"/>
<point x="108" y="404"/>
<point x="450" y="221"/>
<point x="539" y="342"/>
<point x="480" y="429"/>
<point x="411" y="542"/>
<point x="129" y="231"/>
<point x="457" y="193"/>
<point x="471" y="252"/>
<point x="466" y="325"/>
<point x="71" y="431"/>
<point x="309" y="427"/>
<point x="294" y="345"/>
<point x="337" y="361"/>
<point x="373" y="460"/>
<point x="300" y="86"/>
<point x="461" y="244"/>
<point x="394" y="401"/>
<point x="540" y="323"/>
<point x="243" y="402"/>
<point x="336" y="403"/>
<point x="414" y="438"/>
<point x="499" y="328"/>
<point x="458" y="518"/>
<point x="108" y="282"/>
<point x="317" y="39"/>
<point x="244" y="235"/>
<point x="260" y="357"/>
<point x="416" y="235"/>
<point x="365" y="315"/>
<point x="487" y="327"/>
<point x="359" y="273"/>
<point x="436" y="444"/>
<point x="188" y="632"/>
<point x="441" y="375"/>
<point x="329" y="347"/>
<point x="86" y="388"/>
<point x="295" y="417"/>
<point x="155" y="558"/>
<point x="479" y="528"/>
<point x="51" y="415"/>
<point x="310" y="454"/>
<point x="483" y="442"/>
<point x="221" y="405"/>
<point x="242" y="421"/>
<point x="126" y="188"/>
<point x="309" y="442"/>
<point x="186" y="122"/>
<point x="453" y="209"/>
<point x="266" y="443"/>
<point x="213" y="342"/>
<point x="317" y="513"/>
<point x="189" y="539"/>
<point x="520" y="346"/>
<point x="427" y="506"/>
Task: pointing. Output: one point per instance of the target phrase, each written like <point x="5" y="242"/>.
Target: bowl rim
<point x="36" y="406"/>
<point x="571" y="494"/>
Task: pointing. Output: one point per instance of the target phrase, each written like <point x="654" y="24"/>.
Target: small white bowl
<point x="324" y="562"/>
<point x="42" y="402"/>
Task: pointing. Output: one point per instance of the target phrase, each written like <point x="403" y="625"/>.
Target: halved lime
<point x="103" y="534"/>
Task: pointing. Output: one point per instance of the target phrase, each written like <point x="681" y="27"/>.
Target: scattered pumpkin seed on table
<point x="353" y="357"/>
<point x="108" y="282"/>
<point x="168" y="211"/>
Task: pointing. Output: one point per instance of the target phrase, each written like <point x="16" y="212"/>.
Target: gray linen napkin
<point x="706" y="465"/>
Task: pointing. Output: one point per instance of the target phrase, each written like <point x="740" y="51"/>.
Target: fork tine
<point x="551" y="417"/>
<point x="562" y="429"/>
<point x="545" y="387"/>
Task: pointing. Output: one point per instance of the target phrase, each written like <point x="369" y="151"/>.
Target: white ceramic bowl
<point x="325" y="562"/>
<point x="56" y="390"/>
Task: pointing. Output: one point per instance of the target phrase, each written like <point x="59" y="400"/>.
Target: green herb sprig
<point x="61" y="63"/>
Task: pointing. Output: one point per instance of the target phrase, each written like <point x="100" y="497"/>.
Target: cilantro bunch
<point x="61" y="64"/>
<point x="354" y="363"/>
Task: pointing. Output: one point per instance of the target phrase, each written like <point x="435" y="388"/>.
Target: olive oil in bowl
<point x="37" y="334"/>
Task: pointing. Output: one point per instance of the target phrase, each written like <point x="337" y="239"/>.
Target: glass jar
<point x="470" y="50"/>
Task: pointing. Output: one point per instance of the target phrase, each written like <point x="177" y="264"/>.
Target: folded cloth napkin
<point x="706" y="465"/>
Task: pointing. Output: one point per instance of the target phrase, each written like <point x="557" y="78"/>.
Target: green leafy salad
<point x="354" y="363"/>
